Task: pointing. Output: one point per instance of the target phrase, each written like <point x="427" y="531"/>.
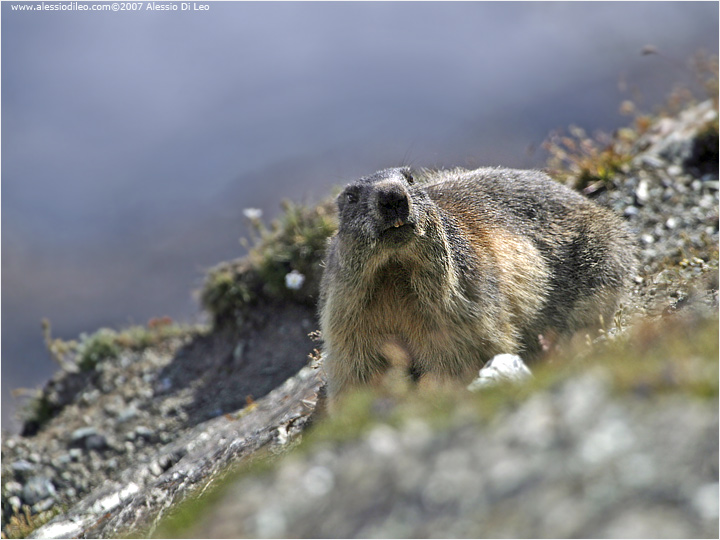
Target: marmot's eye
<point x="408" y="176"/>
<point x="351" y="197"/>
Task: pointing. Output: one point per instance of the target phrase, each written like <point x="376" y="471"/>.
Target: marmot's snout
<point x="393" y="205"/>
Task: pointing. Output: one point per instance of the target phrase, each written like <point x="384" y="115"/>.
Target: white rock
<point x="642" y="194"/>
<point x="502" y="368"/>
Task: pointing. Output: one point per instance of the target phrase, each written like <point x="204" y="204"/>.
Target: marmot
<point x="450" y="271"/>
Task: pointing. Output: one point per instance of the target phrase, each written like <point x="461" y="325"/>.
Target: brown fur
<point x="441" y="276"/>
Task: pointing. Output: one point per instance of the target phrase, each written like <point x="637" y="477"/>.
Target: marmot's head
<point x="384" y="209"/>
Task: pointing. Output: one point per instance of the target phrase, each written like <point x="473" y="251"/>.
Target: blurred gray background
<point x="132" y="141"/>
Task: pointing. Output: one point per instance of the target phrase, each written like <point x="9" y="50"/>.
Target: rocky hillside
<point x="169" y="431"/>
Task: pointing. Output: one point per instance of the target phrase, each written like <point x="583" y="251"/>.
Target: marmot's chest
<point x="395" y="308"/>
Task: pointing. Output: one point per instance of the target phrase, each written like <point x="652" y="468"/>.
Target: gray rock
<point x="630" y="211"/>
<point x="144" y="432"/>
<point x="22" y="467"/>
<point x="37" y="489"/>
<point x="88" y="438"/>
<point x="127" y="414"/>
<point x="43" y="506"/>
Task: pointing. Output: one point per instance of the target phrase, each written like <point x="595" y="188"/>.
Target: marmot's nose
<point x="393" y="205"/>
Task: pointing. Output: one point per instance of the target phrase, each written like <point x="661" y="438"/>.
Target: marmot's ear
<point x="405" y="171"/>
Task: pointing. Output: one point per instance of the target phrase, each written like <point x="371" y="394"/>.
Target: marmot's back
<point x="587" y="248"/>
<point x="463" y="266"/>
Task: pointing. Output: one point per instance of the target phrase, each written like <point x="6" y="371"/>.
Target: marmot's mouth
<point x="400" y="231"/>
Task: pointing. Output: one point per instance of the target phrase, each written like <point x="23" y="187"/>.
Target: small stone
<point x="318" y="481"/>
<point x="88" y="438"/>
<point x="12" y="487"/>
<point x="37" y="489"/>
<point x="672" y="222"/>
<point x="630" y="211"/>
<point x="647" y="239"/>
<point x="15" y="502"/>
<point x="62" y="460"/>
<point x="42" y="506"/>
<point x="22" y="466"/>
<point x="642" y="193"/>
<point x="705" y="501"/>
<point x="383" y="440"/>
<point x="271" y="523"/>
<point x="144" y="432"/>
<point x="500" y="369"/>
<point x="163" y="385"/>
<point x="707" y="202"/>
<point x="155" y="469"/>
<point x="666" y="181"/>
<point x="127" y="414"/>
<point x="90" y="397"/>
<point x="652" y="161"/>
<point x="82" y="433"/>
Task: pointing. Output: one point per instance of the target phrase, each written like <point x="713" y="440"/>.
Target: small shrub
<point x="36" y="412"/>
<point x="587" y="162"/>
<point x="60" y="351"/>
<point x="24" y="522"/>
<point x="99" y="346"/>
<point x="139" y="337"/>
<point x="229" y="288"/>
<point x="580" y="160"/>
<point x="284" y="263"/>
<point x="296" y="243"/>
